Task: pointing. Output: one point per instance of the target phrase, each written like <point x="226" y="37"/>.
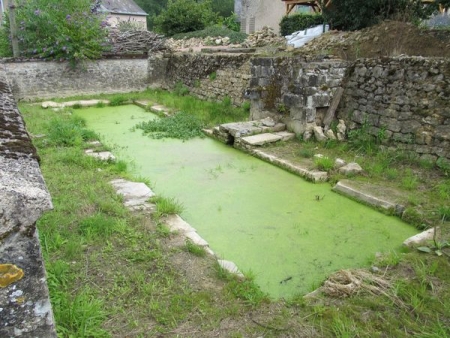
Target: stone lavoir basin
<point x="266" y="220"/>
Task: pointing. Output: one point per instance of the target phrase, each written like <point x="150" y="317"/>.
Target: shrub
<point x="50" y="29"/>
<point x="184" y="16"/>
<point x="299" y="22"/>
<point x="357" y="14"/>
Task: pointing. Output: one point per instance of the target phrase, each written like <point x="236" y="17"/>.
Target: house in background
<point x="3" y="8"/>
<point x="255" y="14"/>
<point x="124" y="11"/>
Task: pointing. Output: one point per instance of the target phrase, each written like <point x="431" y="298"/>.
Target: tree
<point x="153" y="8"/>
<point x="182" y="16"/>
<point x="49" y="29"/>
<point x="358" y="14"/>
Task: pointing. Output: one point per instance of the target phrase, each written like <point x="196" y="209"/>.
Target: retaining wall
<point x="404" y="100"/>
<point x="33" y="80"/>
<point x="208" y="76"/>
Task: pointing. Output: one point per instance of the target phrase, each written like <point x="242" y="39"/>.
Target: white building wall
<point x="259" y="13"/>
<point x="138" y="20"/>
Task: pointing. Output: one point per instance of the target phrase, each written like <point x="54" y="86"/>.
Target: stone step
<point x="262" y="139"/>
<point x="248" y="128"/>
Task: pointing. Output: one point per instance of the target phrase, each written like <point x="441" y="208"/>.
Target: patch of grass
<point x="68" y="131"/>
<point x="324" y="163"/>
<point x="182" y="126"/>
<point x="100" y="104"/>
<point x="118" y="100"/>
<point x="195" y="249"/>
<point x="409" y="180"/>
<point x="166" y="206"/>
<point x="306" y="152"/>
<point x="180" y="89"/>
<point x="212" y="76"/>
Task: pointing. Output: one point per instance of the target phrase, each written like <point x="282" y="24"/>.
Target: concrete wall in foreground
<point x="33" y="80"/>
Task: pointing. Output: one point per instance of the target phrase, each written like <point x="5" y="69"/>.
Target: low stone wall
<point x="404" y="100"/>
<point x="32" y="80"/>
<point x="208" y="76"/>
<point x="25" y="308"/>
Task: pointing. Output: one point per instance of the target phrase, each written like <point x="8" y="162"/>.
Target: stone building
<point x="124" y="11"/>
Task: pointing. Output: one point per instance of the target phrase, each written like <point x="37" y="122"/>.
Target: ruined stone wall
<point x="406" y="100"/>
<point x="38" y="79"/>
<point x="208" y="76"/>
<point x="294" y="89"/>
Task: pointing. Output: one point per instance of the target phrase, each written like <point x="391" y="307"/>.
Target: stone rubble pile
<point x="264" y="37"/>
<point x="198" y="42"/>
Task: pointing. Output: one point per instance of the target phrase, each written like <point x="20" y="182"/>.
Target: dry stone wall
<point x="208" y="76"/>
<point x="406" y="100"/>
<point x="25" y="308"/>
<point x="33" y="80"/>
<point x="294" y="89"/>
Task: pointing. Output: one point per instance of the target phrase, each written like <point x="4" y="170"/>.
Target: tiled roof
<point x="121" y="7"/>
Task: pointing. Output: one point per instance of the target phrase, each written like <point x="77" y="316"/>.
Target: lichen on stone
<point x="9" y="273"/>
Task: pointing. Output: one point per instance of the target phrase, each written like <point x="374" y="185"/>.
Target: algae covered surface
<point x="268" y="221"/>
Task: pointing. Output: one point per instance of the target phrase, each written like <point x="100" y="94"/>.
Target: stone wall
<point x="405" y="100"/>
<point x="33" y="80"/>
<point x="294" y="89"/>
<point x="25" y="308"/>
<point x="208" y="76"/>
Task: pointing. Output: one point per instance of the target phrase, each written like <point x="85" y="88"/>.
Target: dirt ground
<point x="389" y="38"/>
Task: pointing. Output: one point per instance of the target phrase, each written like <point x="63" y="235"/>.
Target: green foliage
<point x="357" y="14"/>
<point x="230" y="22"/>
<point x="118" y="100"/>
<point x="324" y="163"/>
<point x="184" y="16"/>
<point x="51" y="29"/>
<point x="69" y="131"/>
<point x="153" y="8"/>
<point x="246" y="289"/>
<point x="98" y="225"/>
<point x="195" y="249"/>
<point x="224" y="8"/>
<point x="362" y="140"/>
<point x="299" y="22"/>
<point x="214" y="31"/>
<point x="180" y="89"/>
<point x="166" y="206"/>
<point x="182" y="125"/>
<point x="78" y="316"/>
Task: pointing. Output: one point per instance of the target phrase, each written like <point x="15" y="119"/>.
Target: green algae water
<point x="263" y="218"/>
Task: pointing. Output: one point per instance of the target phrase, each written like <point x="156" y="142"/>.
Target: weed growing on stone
<point x="195" y="249"/>
<point x="324" y="163"/>
<point x="118" y="100"/>
<point x="166" y="206"/>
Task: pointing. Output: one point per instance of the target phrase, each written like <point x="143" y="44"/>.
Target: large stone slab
<point x="261" y="139"/>
<point x="230" y="267"/>
<point x="423" y="237"/>
<point x="364" y="197"/>
<point x="134" y="193"/>
<point x="82" y="103"/>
